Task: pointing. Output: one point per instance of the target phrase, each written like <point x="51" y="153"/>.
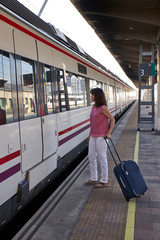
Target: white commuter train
<point x="45" y="79"/>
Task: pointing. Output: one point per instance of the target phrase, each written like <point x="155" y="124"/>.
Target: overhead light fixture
<point x="127" y="38"/>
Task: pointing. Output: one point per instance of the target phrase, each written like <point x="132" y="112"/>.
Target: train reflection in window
<point x="94" y="84"/>
<point x="76" y="88"/>
<point x="6" y="108"/>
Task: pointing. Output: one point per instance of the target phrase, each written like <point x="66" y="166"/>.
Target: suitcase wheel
<point x="127" y="199"/>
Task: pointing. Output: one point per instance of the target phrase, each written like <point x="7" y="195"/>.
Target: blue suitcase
<point x="128" y="176"/>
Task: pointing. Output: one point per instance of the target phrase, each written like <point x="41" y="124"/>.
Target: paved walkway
<point x="147" y="219"/>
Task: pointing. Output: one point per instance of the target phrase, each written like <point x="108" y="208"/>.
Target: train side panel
<point x="31" y="143"/>
<point x="50" y="135"/>
<point x="41" y="171"/>
<point x="10" y="161"/>
<point x="73" y="128"/>
<point x="6" y="37"/>
<point x="45" y="54"/>
<point x="24" y="45"/>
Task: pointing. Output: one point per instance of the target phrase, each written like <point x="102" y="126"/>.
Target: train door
<point x="10" y="161"/>
<point x="49" y="118"/>
<point x="30" y="122"/>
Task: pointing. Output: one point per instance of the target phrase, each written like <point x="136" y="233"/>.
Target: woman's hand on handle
<point x="108" y="136"/>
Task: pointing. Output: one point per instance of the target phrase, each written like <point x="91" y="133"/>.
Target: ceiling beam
<point x="147" y="16"/>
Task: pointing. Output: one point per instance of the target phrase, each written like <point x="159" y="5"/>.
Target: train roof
<point x="52" y="31"/>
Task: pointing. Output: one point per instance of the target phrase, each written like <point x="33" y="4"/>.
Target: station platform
<point x="78" y="212"/>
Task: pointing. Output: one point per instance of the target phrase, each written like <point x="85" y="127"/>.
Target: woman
<point x="99" y="128"/>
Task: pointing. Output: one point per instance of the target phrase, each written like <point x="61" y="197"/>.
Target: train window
<point x="6" y="108"/>
<point x="111" y="94"/>
<point x="48" y="98"/>
<point x="118" y="94"/>
<point x="106" y="91"/>
<point x="94" y="84"/>
<point x="99" y="84"/>
<point x="76" y="91"/>
<point x="28" y="86"/>
<point x="62" y="89"/>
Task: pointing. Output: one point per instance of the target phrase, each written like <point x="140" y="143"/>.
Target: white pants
<point x="98" y="149"/>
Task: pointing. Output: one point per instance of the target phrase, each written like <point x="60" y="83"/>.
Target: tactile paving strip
<point x="104" y="215"/>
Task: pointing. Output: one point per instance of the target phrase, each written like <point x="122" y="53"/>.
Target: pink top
<point x="98" y="122"/>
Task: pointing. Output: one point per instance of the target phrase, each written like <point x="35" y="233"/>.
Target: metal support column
<point x="146" y="120"/>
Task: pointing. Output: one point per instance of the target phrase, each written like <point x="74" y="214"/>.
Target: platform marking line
<point x="129" y="232"/>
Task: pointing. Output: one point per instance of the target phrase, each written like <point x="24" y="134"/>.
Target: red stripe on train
<point x="73" y="127"/>
<point x="9" y="157"/>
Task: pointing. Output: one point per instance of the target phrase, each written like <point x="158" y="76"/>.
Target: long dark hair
<point x="99" y="95"/>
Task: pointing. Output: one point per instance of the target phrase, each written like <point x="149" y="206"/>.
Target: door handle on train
<point x="10" y="148"/>
<point x="23" y="147"/>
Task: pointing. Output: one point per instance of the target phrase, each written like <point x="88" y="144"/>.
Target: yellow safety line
<point x="129" y="233"/>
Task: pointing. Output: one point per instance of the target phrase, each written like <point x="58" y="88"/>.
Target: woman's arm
<point x="107" y="113"/>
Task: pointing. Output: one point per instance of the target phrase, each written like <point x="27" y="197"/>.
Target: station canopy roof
<point x="122" y="25"/>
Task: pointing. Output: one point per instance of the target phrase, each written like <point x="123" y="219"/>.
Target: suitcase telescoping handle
<point x="111" y="151"/>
